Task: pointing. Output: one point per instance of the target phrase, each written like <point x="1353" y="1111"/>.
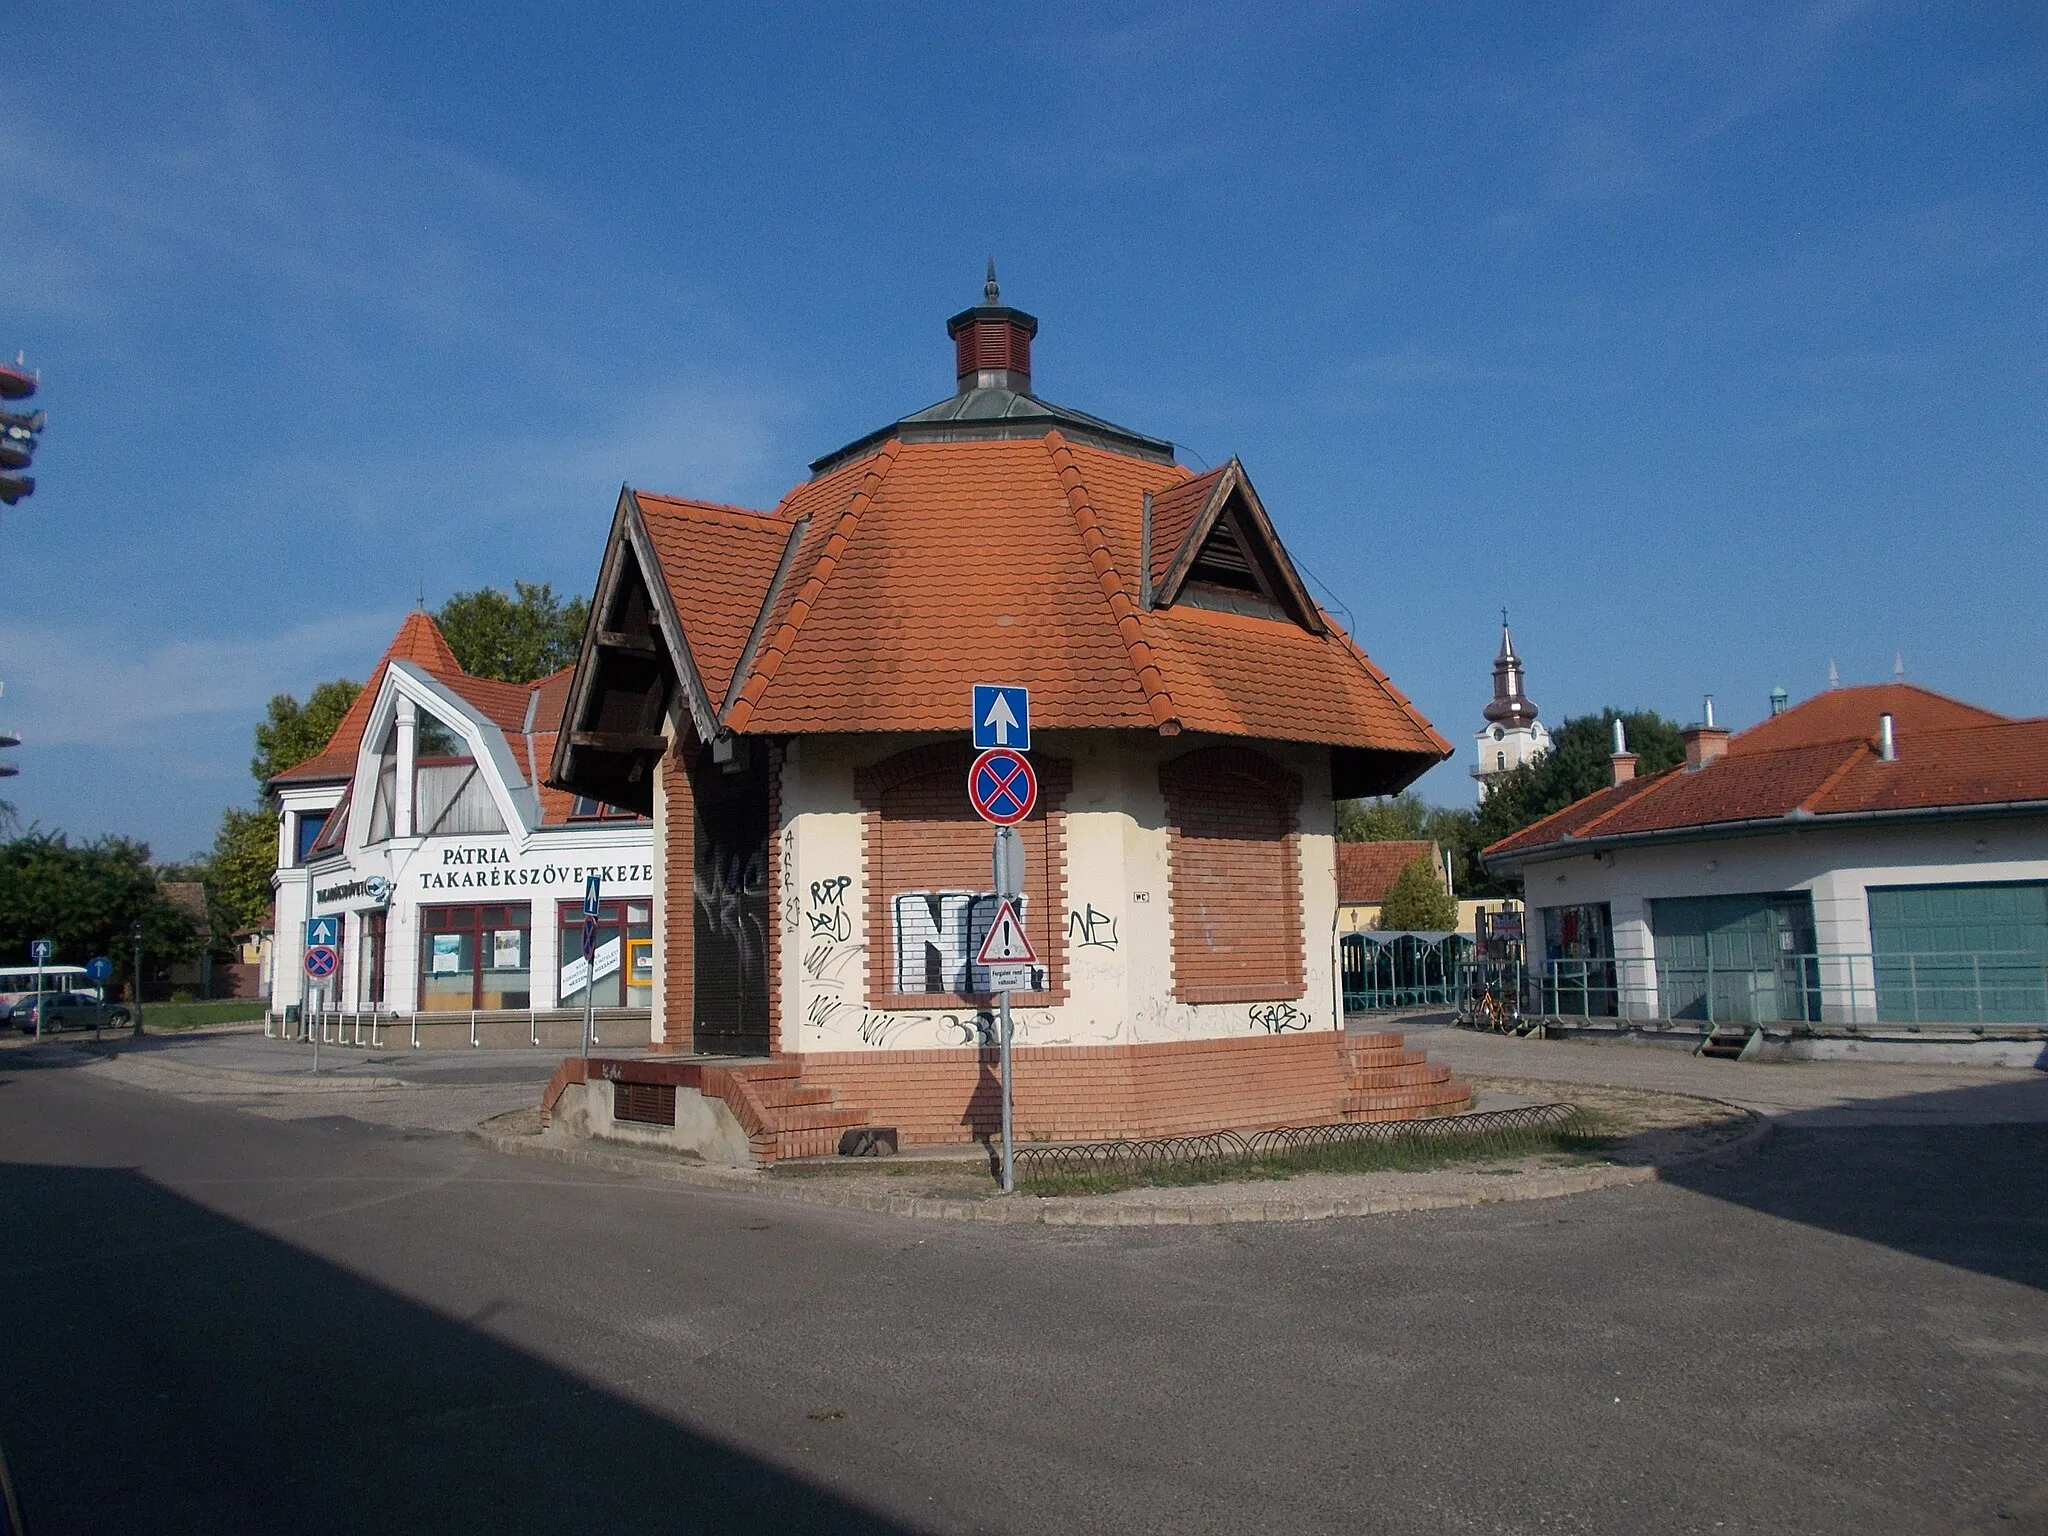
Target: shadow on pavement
<point x="1953" y="1176"/>
<point x="163" y="1368"/>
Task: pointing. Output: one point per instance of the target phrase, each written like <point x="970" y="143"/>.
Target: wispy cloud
<point x="94" y="688"/>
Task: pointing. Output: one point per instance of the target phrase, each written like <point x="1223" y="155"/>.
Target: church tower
<point x="1512" y="734"/>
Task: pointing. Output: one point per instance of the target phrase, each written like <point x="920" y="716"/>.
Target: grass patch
<point x="1581" y="1138"/>
<point x="171" y="1017"/>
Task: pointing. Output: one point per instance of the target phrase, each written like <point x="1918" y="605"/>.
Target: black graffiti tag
<point x="1277" y="1018"/>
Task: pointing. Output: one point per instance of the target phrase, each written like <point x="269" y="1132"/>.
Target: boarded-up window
<point x="1236" y="877"/>
<point x="930" y="898"/>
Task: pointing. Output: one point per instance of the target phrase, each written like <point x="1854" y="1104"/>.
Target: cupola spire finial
<point x="990" y="294"/>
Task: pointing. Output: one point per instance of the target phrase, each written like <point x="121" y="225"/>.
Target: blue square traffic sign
<point x="1002" y="716"/>
<point x="323" y="930"/>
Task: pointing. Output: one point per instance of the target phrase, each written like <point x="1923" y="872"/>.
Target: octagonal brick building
<point x="787" y="693"/>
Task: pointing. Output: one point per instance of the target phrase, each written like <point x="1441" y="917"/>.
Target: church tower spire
<point x="1512" y="734"/>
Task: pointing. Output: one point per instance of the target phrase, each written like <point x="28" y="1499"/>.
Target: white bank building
<point x="421" y="845"/>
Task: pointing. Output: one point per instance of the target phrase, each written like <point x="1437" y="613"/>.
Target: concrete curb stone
<point x="1097" y="1211"/>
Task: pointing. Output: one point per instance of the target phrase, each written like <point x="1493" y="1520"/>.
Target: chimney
<point x="1703" y="742"/>
<point x="1887" y="740"/>
<point x="1622" y="761"/>
<point x="992" y="343"/>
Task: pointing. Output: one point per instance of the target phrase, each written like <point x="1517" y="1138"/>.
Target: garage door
<point x="1963" y="954"/>
<point x="1743" y="958"/>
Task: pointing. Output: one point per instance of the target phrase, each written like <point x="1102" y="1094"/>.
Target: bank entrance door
<point x="731" y="902"/>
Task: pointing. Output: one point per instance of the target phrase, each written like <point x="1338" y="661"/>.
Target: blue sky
<point x="1708" y="339"/>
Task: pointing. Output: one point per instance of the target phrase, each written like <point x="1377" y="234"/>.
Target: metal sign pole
<point x="593" y="891"/>
<point x="1007" y="857"/>
<point x="39" y="991"/>
<point x="1009" y="1149"/>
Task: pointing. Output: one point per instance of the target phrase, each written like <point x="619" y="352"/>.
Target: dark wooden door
<point x="731" y="901"/>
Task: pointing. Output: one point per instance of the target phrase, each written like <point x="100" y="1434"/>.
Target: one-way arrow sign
<point x="1002" y="716"/>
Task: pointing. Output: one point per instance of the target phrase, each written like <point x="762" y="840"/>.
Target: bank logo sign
<point x="374" y="891"/>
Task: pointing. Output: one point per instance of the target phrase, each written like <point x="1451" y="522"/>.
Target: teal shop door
<point x="1737" y="959"/>
<point x="1961" y="954"/>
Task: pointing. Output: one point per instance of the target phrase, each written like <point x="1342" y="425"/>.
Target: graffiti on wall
<point x="831" y="960"/>
<point x="937" y="936"/>
<point x="910" y="1030"/>
<point x="792" y="897"/>
<point x="1091" y="929"/>
<point x="828" y="915"/>
<point x="1277" y="1018"/>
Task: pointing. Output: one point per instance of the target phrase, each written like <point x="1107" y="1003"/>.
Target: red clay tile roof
<point x="508" y="706"/>
<point x="717" y="562"/>
<point x="1174" y="512"/>
<point x="1365" y="870"/>
<point x="1819" y="759"/>
<point x="1850" y="714"/>
<point x="930" y="566"/>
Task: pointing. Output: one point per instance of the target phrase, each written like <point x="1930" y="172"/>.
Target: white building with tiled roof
<point x="450" y="879"/>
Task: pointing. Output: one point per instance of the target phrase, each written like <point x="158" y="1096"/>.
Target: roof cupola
<point x="1510" y="707"/>
<point x="992" y="342"/>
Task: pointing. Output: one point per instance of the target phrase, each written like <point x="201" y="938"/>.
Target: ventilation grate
<point x="644" y="1103"/>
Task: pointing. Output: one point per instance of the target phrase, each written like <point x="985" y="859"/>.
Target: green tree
<point x="238" y="871"/>
<point x="87" y="899"/>
<point x="1417" y="902"/>
<point x="1385" y="819"/>
<point x="1577" y="765"/>
<point x="291" y="732"/>
<point x="514" y="639"/>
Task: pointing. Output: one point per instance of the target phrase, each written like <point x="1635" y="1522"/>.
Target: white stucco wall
<point x="1116" y="930"/>
<point x="1838" y="866"/>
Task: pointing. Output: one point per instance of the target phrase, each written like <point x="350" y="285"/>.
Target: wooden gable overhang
<point x="633" y="675"/>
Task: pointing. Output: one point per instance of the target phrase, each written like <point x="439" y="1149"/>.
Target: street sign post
<point x="1002" y="716"/>
<point x="593" y="892"/>
<point x="1002" y="786"/>
<point x="322" y="961"/>
<point x="1006" y="951"/>
<point x="98" y="970"/>
<point x="42" y="951"/>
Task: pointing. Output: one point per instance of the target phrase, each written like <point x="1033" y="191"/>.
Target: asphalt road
<point x="216" y="1321"/>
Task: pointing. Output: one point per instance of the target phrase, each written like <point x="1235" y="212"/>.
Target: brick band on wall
<point x="679" y="912"/>
<point x="921" y="834"/>
<point x="1234" y="864"/>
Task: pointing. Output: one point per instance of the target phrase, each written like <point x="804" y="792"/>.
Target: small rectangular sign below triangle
<point x="1006" y="943"/>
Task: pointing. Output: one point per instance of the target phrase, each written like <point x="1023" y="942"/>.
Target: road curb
<point x="1069" y="1211"/>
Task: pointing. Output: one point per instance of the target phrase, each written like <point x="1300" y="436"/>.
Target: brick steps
<point x="1360" y="1058"/>
<point x="1442" y="1098"/>
<point x="1412" y="1076"/>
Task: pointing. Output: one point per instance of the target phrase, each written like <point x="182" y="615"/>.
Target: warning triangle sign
<point x="1006" y="943"/>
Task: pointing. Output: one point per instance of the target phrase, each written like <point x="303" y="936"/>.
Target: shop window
<point x="384" y="803"/>
<point x="589" y="809"/>
<point x="333" y="829"/>
<point x="475" y="957"/>
<point x="1236" y="887"/>
<point x="451" y="797"/>
<point x="311" y="825"/>
<point x="930" y="905"/>
<point x="624" y="956"/>
<point x="375" y="927"/>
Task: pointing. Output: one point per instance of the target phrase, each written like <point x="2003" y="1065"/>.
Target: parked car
<point x="64" y="1010"/>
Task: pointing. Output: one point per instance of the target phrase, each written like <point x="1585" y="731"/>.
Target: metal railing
<point x="370" y="1027"/>
<point x="1401" y="970"/>
<point x="1969" y="989"/>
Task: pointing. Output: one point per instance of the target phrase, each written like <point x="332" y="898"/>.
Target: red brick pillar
<point x="677" y="873"/>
